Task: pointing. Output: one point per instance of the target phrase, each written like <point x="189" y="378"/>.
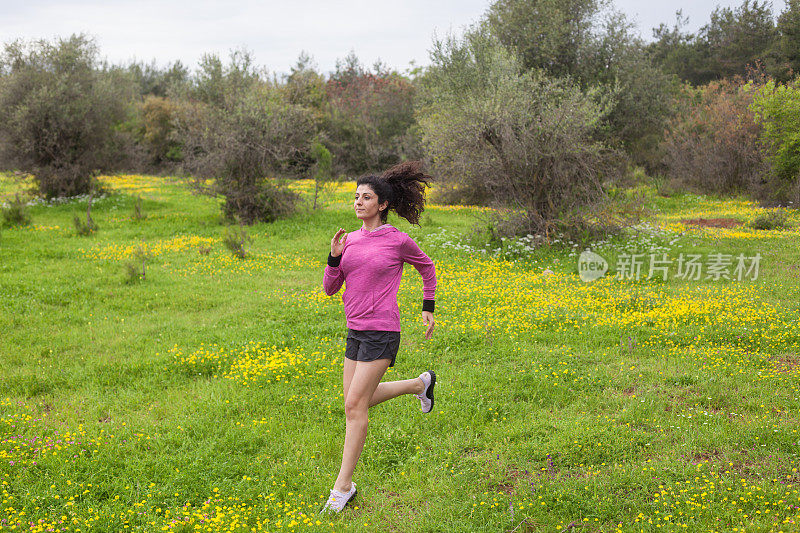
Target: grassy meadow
<point x="207" y="396"/>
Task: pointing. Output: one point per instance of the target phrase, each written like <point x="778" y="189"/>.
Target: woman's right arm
<point x="334" y="277"/>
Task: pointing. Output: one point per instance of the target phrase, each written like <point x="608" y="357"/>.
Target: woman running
<point x="370" y="261"/>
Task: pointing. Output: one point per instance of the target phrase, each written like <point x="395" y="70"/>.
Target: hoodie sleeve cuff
<point x="334" y="261"/>
<point x="428" y="305"/>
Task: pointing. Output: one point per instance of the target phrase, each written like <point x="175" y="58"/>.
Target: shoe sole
<point x="429" y="392"/>
<point x="353" y="497"/>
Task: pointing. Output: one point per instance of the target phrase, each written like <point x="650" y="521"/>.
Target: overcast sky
<point x="395" y="31"/>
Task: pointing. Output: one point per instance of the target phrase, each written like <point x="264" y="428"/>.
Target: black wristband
<point x="428" y="305"/>
<point x="334" y="261"/>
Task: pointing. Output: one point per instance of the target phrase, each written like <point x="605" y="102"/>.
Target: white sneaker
<point x="426" y="396"/>
<point x="337" y="500"/>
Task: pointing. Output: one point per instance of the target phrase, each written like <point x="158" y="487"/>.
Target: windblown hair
<point x="403" y="186"/>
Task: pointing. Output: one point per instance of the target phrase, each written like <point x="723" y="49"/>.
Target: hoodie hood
<point x="383" y="230"/>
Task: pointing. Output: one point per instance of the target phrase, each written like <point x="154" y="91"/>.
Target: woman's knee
<point x="356" y="406"/>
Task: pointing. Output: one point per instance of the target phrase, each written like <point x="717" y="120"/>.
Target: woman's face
<point x="366" y="203"/>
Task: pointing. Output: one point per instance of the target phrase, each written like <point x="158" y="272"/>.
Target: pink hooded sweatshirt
<point x="371" y="265"/>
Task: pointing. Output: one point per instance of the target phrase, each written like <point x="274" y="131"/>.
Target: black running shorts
<point x="369" y="345"/>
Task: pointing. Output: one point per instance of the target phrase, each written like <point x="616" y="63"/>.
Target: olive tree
<point x="58" y="112"/>
<point x="502" y="135"/>
<point x="241" y="132"/>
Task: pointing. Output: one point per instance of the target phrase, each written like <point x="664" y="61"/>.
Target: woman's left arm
<point x="411" y="253"/>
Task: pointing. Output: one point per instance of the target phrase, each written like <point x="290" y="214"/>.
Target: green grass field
<point x="207" y="397"/>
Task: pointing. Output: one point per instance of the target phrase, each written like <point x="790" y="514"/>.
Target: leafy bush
<point x="159" y="115"/>
<point x="58" y="112"/>
<point x="136" y="268"/>
<point x="259" y="201"/>
<point x="777" y="107"/>
<point x="323" y="165"/>
<point x="771" y="220"/>
<point x="236" y="239"/>
<point x="88" y="227"/>
<point x="84" y="228"/>
<point x="16" y="213"/>
<point x="511" y="138"/>
<point x="712" y="146"/>
<point x="138" y="214"/>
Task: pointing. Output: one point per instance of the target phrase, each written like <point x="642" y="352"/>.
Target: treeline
<point x="538" y="107"/>
<point x="734" y="41"/>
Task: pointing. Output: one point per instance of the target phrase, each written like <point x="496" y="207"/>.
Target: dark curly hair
<point x="403" y="186"/>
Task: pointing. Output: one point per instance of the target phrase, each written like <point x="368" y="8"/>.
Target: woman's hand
<point x="337" y="246"/>
<point x="427" y="319"/>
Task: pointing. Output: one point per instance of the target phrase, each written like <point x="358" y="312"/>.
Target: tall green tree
<point x="732" y="42"/>
<point x="305" y="85"/>
<point x="156" y="81"/>
<point x="789" y="41"/>
<point x="737" y="38"/>
<point x="674" y="50"/>
<point x="58" y="113"/>
<point x="548" y="34"/>
<point x="595" y="47"/>
<point x="370" y="117"/>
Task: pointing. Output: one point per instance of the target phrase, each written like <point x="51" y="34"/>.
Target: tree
<point x="58" y="113"/>
<point x="152" y="80"/>
<point x="369" y="118"/>
<point x="778" y="109"/>
<point x="240" y="132"/>
<point x="218" y="84"/>
<point x="789" y="41"/>
<point x="159" y="116"/>
<point x="547" y="34"/>
<point x="733" y="41"/>
<point x="737" y="38"/>
<point x="590" y="43"/>
<point x="500" y="134"/>
<point x="673" y="50"/>
<point x="305" y="86"/>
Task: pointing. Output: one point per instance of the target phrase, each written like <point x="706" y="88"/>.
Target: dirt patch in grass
<point x="745" y="464"/>
<point x="507" y="488"/>
<point x="706" y="456"/>
<point x="527" y="525"/>
<point x="712" y="222"/>
<point x="677" y="396"/>
<point x="787" y="362"/>
<point x="472" y="451"/>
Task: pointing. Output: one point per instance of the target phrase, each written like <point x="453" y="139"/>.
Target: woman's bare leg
<point x="392" y="389"/>
<point x="364" y="381"/>
<point x="386" y="390"/>
<point x="347" y="375"/>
